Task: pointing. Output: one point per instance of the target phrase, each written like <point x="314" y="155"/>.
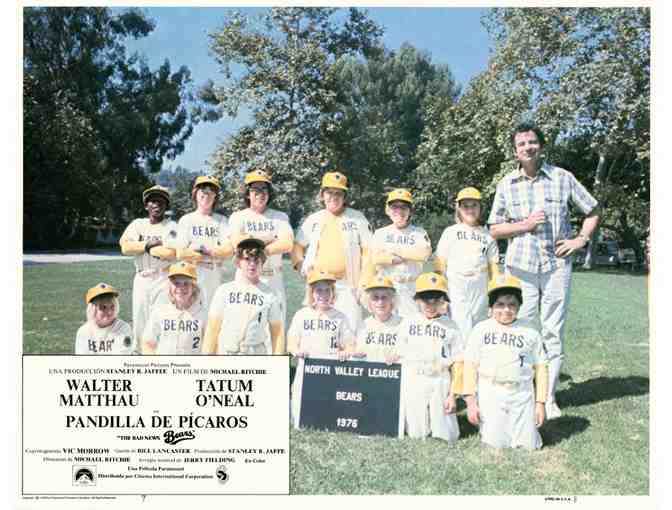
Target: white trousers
<point x="209" y="279"/>
<point x="422" y="398"/>
<point x="545" y="301"/>
<point x="346" y="303"/>
<point x="144" y="288"/>
<point x="406" y="307"/>
<point x="468" y="300"/>
<point x="507" y="415"/>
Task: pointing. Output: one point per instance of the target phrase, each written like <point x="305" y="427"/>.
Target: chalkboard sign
<point x="353" y="396"/>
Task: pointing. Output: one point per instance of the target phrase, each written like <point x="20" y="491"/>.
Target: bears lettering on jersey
<point x="100" y="345"/>
<point x="319" y="325"/>
<point x="386" y="339"/>
<point x="201" y="231"/>
<point x="432" y="330"/>
<point x="259" y="226"/>
<point x="349" y="226"/>
<point x="246" y="298"/>
<point x="402" y="239"/>
<point x="506" y="339"/>
<point x="181" y="325"/>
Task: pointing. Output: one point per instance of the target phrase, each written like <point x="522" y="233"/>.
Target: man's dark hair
<point x="524" y="128"/>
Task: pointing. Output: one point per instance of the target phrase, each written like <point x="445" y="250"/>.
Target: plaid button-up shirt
<point x="551" y="190"/>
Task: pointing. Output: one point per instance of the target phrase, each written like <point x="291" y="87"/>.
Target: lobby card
<point x="155" y="425"/>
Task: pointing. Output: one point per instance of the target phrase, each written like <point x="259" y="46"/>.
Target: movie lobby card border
<point x="27" y="496"/>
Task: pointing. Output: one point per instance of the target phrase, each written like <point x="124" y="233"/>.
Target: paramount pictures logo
<point x="84" y="476"/>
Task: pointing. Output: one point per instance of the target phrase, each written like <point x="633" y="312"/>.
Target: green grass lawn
<point x="600" y="446"/>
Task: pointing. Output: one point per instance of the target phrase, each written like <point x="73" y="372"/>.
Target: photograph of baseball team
<point x="364" y="205"/>
<point x="468" y="330"/>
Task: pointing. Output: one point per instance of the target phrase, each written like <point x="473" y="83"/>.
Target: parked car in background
<point x="609" y="254"/>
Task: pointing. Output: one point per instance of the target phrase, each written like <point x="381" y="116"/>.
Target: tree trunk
<point x="599" y="179"/>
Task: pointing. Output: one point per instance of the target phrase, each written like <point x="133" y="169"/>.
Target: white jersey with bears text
<point x="505" y="353"/>
<point x="391" y="239"/>
<point x="379" y="340"/>
<point x="142" y="230"/>
<point x="321" y="335"/>
<point x="246" y="311"/>
<point x="176" y="331"/>
<point x="269" y="225"/>
<point x="195" y="229"/>
<point x="428" y="347"/>
<point x="114" y="339"/>
<point x="467" y="252"/>
<point x="505" y="356"/>
<point x="467" y="249"/>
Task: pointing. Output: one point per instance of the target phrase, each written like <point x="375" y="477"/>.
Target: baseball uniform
<point x="337" y="244"/>
<point x="464" y="254"/>
<point x="428" y="349"/>
<point x="321" y="335"/>
<point x="241" y="318"/>
<point x="378" y="340"/>
<point x="175" y="331"/>
<point x="411" y="244"/>
<point x="271" y="227"/>
<point x="150" y="271"/>
<point x="503" y="358"/>
<point x="212" y="231"/>
<point x="114" y="339"/>
<point x="545" y="277"/>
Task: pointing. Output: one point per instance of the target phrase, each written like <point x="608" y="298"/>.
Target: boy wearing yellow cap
<point x="203" y="236"/>
<point x="103" y="332"/>
<point x="245" y="316"/>
<point x="317" y="330"/>
<point x="431" y="349"/>
<point x="178" y="326"/>
<point x="271" y="226"/>
<point x="506" y="372"/>
<point x="467" y="255"/>
<point x="335" y="239"/>
<point x="149" y="240"/>
<point x="400" y="249"/>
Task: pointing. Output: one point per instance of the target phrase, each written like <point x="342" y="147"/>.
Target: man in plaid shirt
<point x="531" y="211"/>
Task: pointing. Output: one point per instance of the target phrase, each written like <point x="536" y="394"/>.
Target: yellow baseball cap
<point x="207" y="179"/>
<point x="431" y="282"/>
<point x="317" y="275"/>
<point x="468" y="193"/>
<point x="257" y="176"/>
<point x="504" y="284"/>
<point x="379" y="282"/>
<point x="183" y="269"/>
<point x="399" y="194"/>
<point x="156" y="190"/>
<point x="335" y="180"/>
<point x="100" y="290"/>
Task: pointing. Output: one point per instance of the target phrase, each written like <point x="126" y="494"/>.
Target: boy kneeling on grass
<point x="318" y="330"/>
<point x="504" y="355"/>
<point x="430" y="347"/>
<point x="103" y="332"/>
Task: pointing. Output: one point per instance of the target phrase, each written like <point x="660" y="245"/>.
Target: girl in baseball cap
<point x="377" y="339"/>
<point x="103" y="332"/>
<point x="177" y="327"/>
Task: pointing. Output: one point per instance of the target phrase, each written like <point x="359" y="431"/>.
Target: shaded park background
<point x="320" y="90"/>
